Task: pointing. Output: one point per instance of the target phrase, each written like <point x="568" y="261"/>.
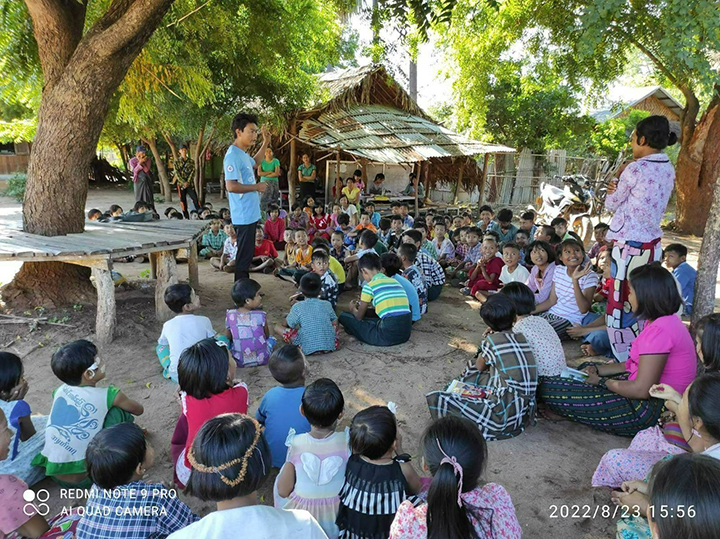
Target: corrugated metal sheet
<point x="389" y="135"/>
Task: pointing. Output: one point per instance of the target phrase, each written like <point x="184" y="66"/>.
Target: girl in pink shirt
<point x="616" y="397"/>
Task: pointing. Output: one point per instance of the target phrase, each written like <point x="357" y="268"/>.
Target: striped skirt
<point x="598" y="407"/>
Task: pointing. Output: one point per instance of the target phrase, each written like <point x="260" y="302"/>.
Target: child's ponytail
<point x="455" y="452"/>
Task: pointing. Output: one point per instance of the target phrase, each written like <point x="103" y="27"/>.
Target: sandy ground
<point x="548" y="466"/>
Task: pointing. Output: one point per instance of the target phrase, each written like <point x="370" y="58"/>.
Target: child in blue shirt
<point x="279" y="409"/>
<point x="675" y="256"/>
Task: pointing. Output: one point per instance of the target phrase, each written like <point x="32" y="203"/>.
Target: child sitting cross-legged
<point x="314" y="473"/>
<point x="118" y="459"/>
<point x="230" y="464"/>
<point x="378" y="477"/>
<point x="543" y="341"/>
<point x="213" y="240"/>
<point x="407" y="252"/>
<point x="208" y="388"/>
<point x="513" y="271"/>
<point x="429" y="267"/>
<point x="675" y="256"/>
<point x="392" y="267"/>
<point x="346" y="229"/>
<point x="184" y="330"/>
<point x="442" y="244"/>
<point x="394" y="319"/>
<point x="28" y="431"/>
<point x="312" y="322"/>
<point x="503" y="375"/>
<point x="303" y="255"/>
<point x="82" y="409"/>
<point x="275" y="227"/>
<point x="338" y="251"/>
<point x="247" y="325"/>
<point x="321" y="266"/>
<point x="366" y="244"/>
<point x="485" y="276"/>
<point x="279" y="410"/>
<point x="226" y="261"/>
<point x="459" y="503"/>
<point x="334" y="265"/>
<point x="265" y="257"/>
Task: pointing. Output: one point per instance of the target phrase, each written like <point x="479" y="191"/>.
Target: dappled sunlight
<point x="462" y="344"/>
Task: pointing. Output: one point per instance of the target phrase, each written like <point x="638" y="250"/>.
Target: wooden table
<point x="100" y="244"/>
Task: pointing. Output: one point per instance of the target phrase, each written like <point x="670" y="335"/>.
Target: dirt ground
<point x="548" y="466"/>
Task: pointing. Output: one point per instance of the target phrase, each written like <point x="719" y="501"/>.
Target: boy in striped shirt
<point x="390" y="302"/>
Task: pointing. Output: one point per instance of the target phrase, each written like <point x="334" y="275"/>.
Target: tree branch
<point x="58" y="27"/>
<point x="181" y="19"/>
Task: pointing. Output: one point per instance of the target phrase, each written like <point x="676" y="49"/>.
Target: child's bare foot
<point x="588" y="350"/>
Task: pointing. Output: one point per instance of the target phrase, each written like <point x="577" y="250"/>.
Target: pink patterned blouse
<point x="642" y="195"/>
<point x="411" y="522"/>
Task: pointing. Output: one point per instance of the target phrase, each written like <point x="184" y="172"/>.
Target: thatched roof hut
<point x="364" y="115"/>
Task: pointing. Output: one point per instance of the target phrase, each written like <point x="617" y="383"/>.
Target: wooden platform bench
<point x="100" y="244"/>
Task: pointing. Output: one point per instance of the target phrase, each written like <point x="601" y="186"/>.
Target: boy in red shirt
<point x="265" y="256"/>
<point x="275" y="228"/>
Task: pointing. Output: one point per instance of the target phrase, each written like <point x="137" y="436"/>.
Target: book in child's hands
<point x="573" y="374"/>
<point x="467" y="391"/>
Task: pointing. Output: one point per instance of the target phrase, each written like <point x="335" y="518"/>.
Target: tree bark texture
<point x="105" y="318"/>
<point x="162" y="169"/>
<point x="697" y="172"/>
<point x="81" y="74"/>
<point x="48" y="284"/>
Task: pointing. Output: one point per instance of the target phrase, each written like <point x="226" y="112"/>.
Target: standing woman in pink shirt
<point x="638" y="200"/>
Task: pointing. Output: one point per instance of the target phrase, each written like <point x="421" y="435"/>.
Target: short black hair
<point x="558" y="221"/>
<point x="115" y="208"/>
<point x="409" y="251"/>
<point x="287" y="364"/>
<point x="495" y="235"/>
<point x="396" y="217"/>
<point x="545" y="246"/>
<point x="222" y="439"/>
<point x="505" y="215"/>
<point x="405" y="205"/>
<point x="322" y="403"/>
<point x="370" y="203"/>
<point x="523" y="232"/>
<point x="684" y="481"/>
<point x="357" y="172"/>
<point x="384" y="223"/>
<point x="481" y="209"/>
<point x="271" y="208"/>
<point x="338" y="232"/>
<point x="474" y="230"/>
<point x="656" y="291"/>
<point x="140" y="205"/>
<point x="373" y="432"/>
<point x="395" y="205"/>
<point x="311" y="285"/>
<point x="707" y="331"/>
<point x="177" y="296"/>
<point x="528" y="216"/>
<point x="243" y="290"/>
<point x="241" y="121"/>
<point x="179" y="216"/>
<point x="703" y="397"/>
<point x="343" y="219"/>
<point x="11" y="371"/>
<point x="440" y="223"/>
<point x="677" y="248"/>
<point x="93" y="213"/>
<point x="203" y="369"/>
<point x="568" y="242"/>
<point x="369" y="262"/>
<point x="379" y="176"/>
<point x="601" y="226"/>
<point x="368" y="238"/>
<point x="511" y="245"/>
<point x="114" y="454"/>
<point x="414" y="234"/>
<point x="319" y="254"/>
<point x="168" y="211"/>
<point x="227" y="222"/>
<point x="521" y="297"/>
<point x="498" y="312"/>
<point x="391" y="263"/>
<point x="69" y="362"/>
<point x="656" y="131"/>
<point x="296" y="206"/>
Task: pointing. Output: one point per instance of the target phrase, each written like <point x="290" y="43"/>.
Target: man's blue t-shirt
<point x="239" y="166"/>
<point x="412" y="295"/>
<point x="279" y="411"/>
<point x="686" y="274"/>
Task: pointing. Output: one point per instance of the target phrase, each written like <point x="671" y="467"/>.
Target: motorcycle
<point x="576" y="202"/>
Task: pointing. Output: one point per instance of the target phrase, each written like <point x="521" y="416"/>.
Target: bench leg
<point x="166" y="275"/>
<point x="193" y="275"/>
<point x="105" y="320"/>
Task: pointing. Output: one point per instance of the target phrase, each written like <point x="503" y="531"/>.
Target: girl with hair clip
<point x="637" y="196"/>
<point x="699" y="412"/>
<point x="230" y="462"/>
<point x="459" y="504"/>
<point x="657" y="442"/>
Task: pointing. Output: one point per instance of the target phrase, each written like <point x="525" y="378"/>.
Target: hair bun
<point x="672" y="139"/>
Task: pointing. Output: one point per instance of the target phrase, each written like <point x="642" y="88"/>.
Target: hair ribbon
<point x="457" y="468"/>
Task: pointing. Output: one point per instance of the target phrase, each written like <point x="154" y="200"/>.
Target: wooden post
<point x="483" y="178"/>
<point x="105" y="317"/>
<point x="193" y="276"/>
<point x="152" y="257"/>
<point x="426" y="180"/>
<point x="166" y="275"/>
<point x="459" y="182"/>
<point x="292" y="171"/>
<point x="337" y="172"/>
<point x="363" y="167"/>
<point x="418" y="173"/>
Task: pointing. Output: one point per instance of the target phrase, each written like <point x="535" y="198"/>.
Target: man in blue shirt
<point x="675" y="256"/>
<point x="242" y="189"/>
<point x="504" y="226"/>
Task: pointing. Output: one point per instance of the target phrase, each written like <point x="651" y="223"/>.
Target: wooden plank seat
<point x="99" y="244"/>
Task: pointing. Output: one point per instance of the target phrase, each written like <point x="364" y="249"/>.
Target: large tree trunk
<point x="162" y="169"/>
<point x="81" y="73"/>
<point x="30" y="287"/>
<point x="705" y="283"/>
